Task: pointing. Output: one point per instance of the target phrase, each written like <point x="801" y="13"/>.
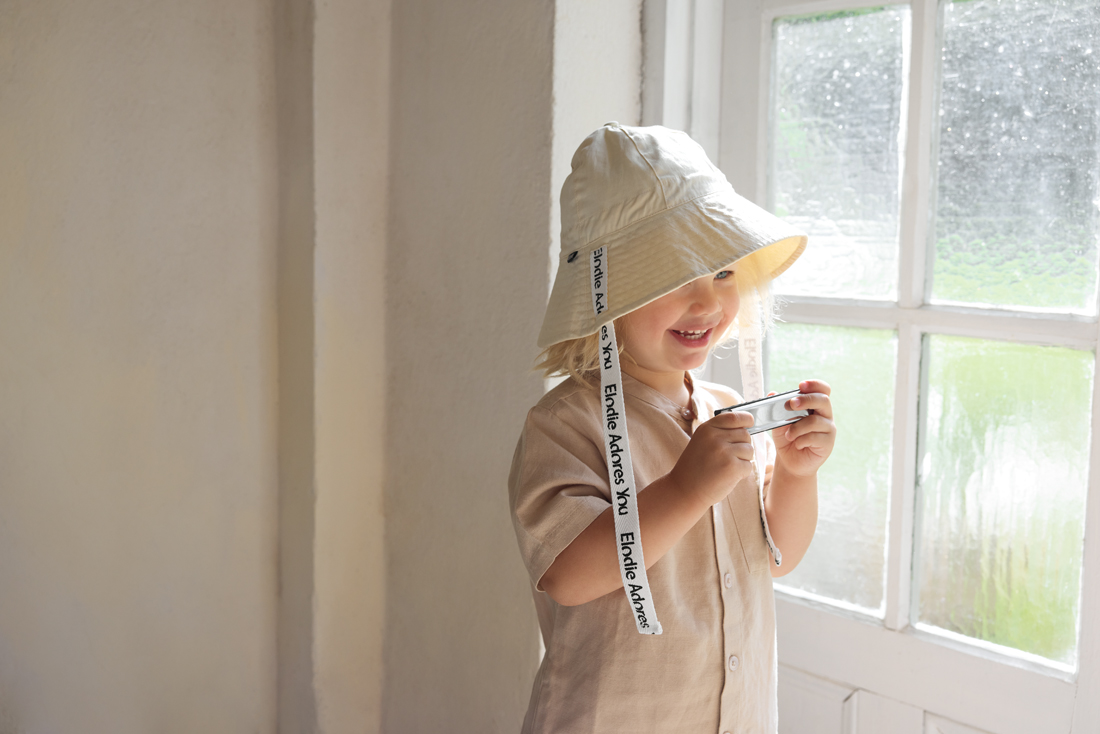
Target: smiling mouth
<point x="692" y="336"/>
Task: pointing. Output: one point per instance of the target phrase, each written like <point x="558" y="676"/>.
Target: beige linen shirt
<point x="714" y="668"/>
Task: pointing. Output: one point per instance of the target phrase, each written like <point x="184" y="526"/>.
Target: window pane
<point x="837" y="101"/>
<point x="846" y="559"/>
<point x="1003" y="470"/>
<point x="1017" y="195"/>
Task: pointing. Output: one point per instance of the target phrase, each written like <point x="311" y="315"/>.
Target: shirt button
<point x="728" y="579"/>
<point x="734" y="662"/>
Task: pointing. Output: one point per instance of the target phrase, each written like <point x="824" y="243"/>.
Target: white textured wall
<point x="351" y="120"/>
<point x="597" y="79"/>
<point x="137" y="368"/>
<point x="470" y="164"/>
<point x="332" y="61"/>
<point x="251" y="271"/>
<point x="490" y="99"/>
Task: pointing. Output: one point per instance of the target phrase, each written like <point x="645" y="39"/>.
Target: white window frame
<point x="984" y="686"/>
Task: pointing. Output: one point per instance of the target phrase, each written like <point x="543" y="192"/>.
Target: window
<point x="945" y="159"/>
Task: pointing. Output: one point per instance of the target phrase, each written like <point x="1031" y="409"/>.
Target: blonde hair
<point x="573" y="357"/>
<point x="579" y="357"/>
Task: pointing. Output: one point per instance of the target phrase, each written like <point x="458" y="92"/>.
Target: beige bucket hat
<point x="665" y="214"/>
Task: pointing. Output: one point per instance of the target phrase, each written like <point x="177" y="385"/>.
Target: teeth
<point x="693" y="334"/>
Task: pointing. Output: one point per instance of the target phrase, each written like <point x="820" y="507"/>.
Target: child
<point x="659" y="251"/>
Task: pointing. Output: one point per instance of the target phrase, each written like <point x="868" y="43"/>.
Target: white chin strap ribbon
<point x="749" y="349"/>
<point x="624" y="502"/>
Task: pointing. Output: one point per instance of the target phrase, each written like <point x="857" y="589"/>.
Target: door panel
<point x="810" y="705"/>
<point x="936" y="725"/>
<point x="869" y="713"/>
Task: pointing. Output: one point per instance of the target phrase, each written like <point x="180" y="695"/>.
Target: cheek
<point x="647" y="322"/>
<point x="731" y="306"/>
<point x="635" y="337"/>
<point x="641" y="332"/>
<point x="729" y="315"/>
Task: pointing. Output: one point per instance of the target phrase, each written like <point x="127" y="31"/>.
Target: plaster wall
<point x="597" y="79"/>
<point x="467" y="262"/>
<point x="226" y="326"/>
<point x="351" y="121"/>
<point x="332" y="70"/>
<point x="138" y="367"/>
<point x="332" y="116"/>
<point x="490" y="99"/>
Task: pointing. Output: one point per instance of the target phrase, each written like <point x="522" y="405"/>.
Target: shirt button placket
<point x="732" y="663"/>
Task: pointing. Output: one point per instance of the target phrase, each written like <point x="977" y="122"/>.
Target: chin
<point x="694" y="364"/>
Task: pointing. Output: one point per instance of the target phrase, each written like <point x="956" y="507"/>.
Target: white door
<point x="945" y="159"/>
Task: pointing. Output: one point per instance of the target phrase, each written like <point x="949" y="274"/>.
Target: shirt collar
<point x="638" y="389"/>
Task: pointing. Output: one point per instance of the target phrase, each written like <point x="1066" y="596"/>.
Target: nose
<point x="704" y="298"/>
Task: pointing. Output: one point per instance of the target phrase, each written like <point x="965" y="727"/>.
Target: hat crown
<point x="665" y="214"/>
<point x="621" y="175"/>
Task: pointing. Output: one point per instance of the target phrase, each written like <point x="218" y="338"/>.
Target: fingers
<point x="816" y="424"/>
<point x="730" y="421"/>
<point x="808" y="386"/>
<point x="818" y="402"/>
<point x="734" y="435"/>
<point x="742" y="451"/>
<point x="732" y="428"/>
<point x="810" y="441"/>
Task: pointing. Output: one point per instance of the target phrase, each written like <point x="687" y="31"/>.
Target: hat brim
<point x="656" y="255"/>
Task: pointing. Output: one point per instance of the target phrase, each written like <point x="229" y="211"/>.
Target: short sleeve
<point x="558" y="485"/>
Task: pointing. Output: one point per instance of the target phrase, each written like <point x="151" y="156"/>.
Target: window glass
<point x="1017" y="196"/>
<point x="837" y="101"/>
<point x="1002" y="483"/>
<point x="846" y="559"/>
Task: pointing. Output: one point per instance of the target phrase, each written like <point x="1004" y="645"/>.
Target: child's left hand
<point x="802" y="447"/>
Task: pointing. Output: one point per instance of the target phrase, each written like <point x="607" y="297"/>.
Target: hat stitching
<point x="615" y="312"/>
<point x="591" y="244"/>
<point x="664" y="194"/>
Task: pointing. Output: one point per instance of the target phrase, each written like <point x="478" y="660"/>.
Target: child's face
<point x="676" y="332"/>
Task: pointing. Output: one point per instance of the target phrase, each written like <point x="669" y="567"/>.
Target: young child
<point x="658" y="251"/>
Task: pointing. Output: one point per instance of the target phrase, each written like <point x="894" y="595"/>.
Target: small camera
<point x="770" y="412"/>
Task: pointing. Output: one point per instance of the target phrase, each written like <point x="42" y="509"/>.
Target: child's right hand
<point x="718" y="456"/>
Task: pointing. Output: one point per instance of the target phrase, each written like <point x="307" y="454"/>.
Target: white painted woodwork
<point x="706" y="77"/>
<point x="667" y="86"/>
<point x="899" y="549"/>
<point x="683" y="48"/>
<point x="809" y="704"/>
<point x="965" y="683"/>
<point x="654" y="38"/>
<point x="1019" y="326"/>
<point x="1086" y="710"/>
<point x="870" y="713"/>
<point x="937" y="725"/>
<point x="916" y="182"/>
